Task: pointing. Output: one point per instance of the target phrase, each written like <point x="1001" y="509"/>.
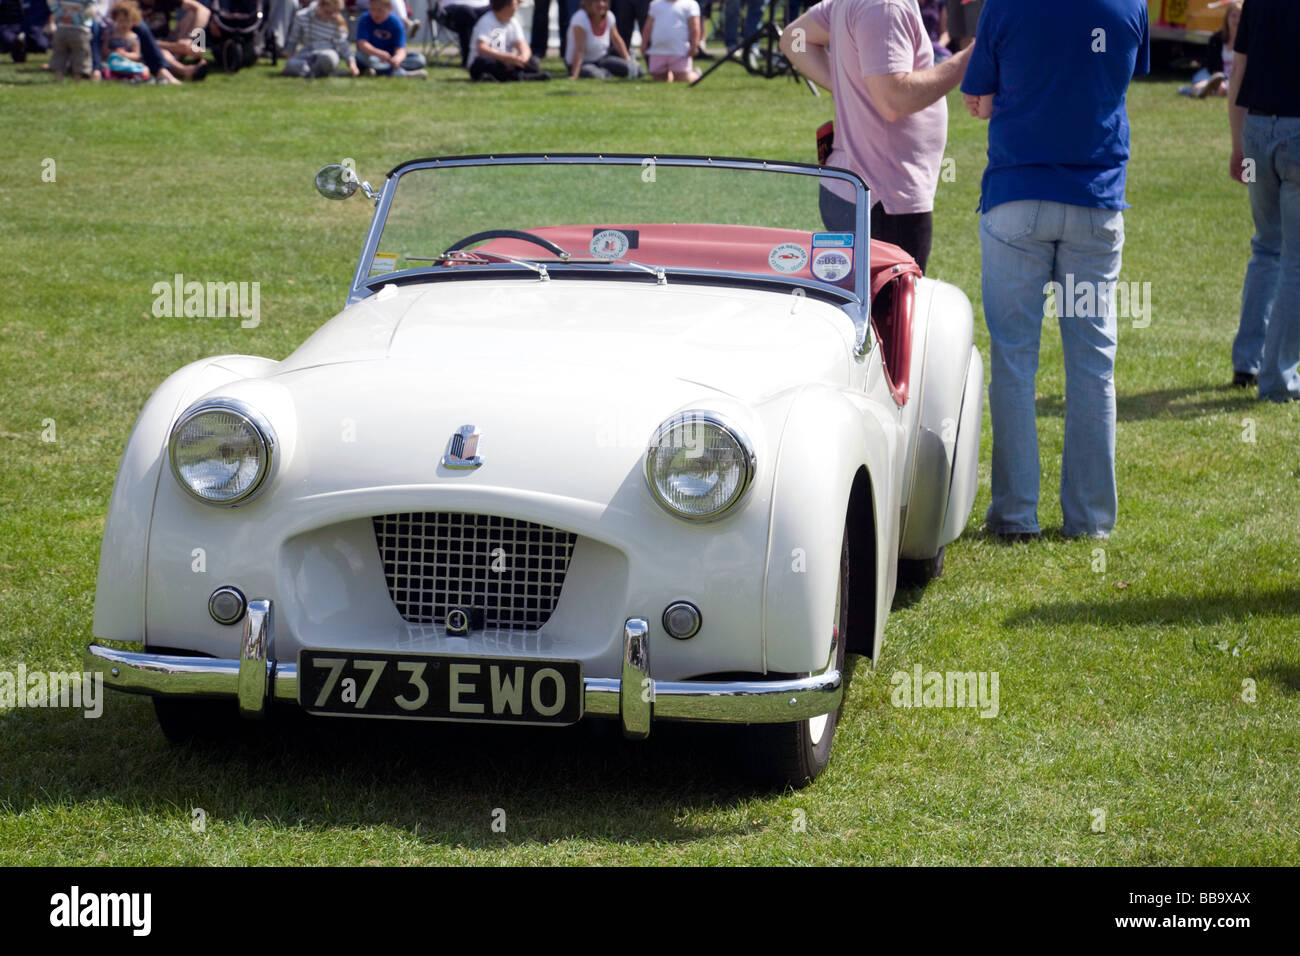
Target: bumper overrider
<point x="256" y="679"/>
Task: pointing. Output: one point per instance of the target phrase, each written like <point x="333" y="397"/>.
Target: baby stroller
<point x="237" y="40"/>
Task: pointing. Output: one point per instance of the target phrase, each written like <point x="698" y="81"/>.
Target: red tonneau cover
<point x="752" y="249"/>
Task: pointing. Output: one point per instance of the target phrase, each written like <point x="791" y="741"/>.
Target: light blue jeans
<point x="1027" y="245"/>
<point x="1268" y="337"/>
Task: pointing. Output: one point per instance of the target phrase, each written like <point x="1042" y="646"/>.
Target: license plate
<point x="437" y="687"/>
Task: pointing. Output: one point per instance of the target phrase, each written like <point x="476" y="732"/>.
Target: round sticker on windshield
<point x="788" y="257"/>
<point x="609" y="244"/>
<point x="832" y="265"/>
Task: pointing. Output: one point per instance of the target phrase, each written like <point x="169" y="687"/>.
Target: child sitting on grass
<point x="318" y="41"/>
<point x="595" y="48"/>
<point x="498" y="50"/>
<point x="121" y="51"/>
<point x="381" y="44"/>
<point x="672" y="32"/>
<point x="70" y="48"/>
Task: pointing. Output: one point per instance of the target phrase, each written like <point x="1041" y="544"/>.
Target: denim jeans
<point x="413" y="61"/>
<point x="1268" y="336"/>
<point x="731" y="21"/>
<point x="1027" y="245"/>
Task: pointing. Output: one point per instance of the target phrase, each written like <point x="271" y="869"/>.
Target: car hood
<point x="749" y="344"/>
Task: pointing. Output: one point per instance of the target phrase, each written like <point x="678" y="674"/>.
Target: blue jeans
<point x="731" y="21"/>
<point x="1026" y="246"/>
<point x="413" y="61"/>
<point x="1268" y="337"/>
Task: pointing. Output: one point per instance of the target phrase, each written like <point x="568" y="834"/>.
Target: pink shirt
<point x="900" y="161"/>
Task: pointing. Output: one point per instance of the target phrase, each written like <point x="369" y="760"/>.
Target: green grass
<point x="1120" y="691"/>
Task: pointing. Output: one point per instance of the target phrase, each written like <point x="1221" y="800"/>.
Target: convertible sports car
<point x="595" y="436"/>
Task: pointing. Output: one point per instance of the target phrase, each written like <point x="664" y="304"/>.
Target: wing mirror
<point x="337" y="181"/>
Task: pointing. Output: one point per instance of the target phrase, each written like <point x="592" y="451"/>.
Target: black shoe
<point x="1244" y="380"/>
<point x="1011" y="537"/>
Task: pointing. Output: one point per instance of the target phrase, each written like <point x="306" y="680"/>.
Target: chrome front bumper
<point x="256" y="679"/>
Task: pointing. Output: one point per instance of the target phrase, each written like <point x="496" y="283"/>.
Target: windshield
<point x="626" y="215"/>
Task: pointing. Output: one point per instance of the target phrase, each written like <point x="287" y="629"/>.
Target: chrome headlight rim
<point x="748" y="459"/>
<point x="260" y="427"/>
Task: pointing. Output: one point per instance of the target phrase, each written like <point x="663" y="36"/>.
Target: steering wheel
<point x="508" y="234"/>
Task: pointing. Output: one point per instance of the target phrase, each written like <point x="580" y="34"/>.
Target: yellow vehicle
<point x="1188" y="21"/>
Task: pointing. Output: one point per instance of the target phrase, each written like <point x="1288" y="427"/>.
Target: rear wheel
<point x="792" y="755"/>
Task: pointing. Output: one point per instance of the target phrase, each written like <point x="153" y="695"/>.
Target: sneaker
<point x="1244" y="380"/>
<point x="418" y="74"/>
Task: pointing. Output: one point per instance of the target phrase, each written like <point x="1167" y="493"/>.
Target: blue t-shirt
<point x="387" y="36"/>
<point x="1058" y="73"/>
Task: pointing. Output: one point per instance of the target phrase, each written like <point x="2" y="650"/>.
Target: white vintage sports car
<point x="665" y="462"/>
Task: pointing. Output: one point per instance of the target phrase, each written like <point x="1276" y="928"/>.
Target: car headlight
<point x="221" y="451"/>
<point x="698" y="465"/>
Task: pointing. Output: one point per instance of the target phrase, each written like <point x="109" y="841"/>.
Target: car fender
<point x="942" y="350"/>
<point x="123" y="555"/>
<point x="829" y="436"/>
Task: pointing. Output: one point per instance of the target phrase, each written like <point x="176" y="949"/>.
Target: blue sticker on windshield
<point x="837" y="240"/>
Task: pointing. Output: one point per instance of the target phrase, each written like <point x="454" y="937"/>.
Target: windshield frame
<point x="856" y="302"/>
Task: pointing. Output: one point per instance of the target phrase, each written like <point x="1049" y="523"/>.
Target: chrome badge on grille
<point x="463" y="450"/>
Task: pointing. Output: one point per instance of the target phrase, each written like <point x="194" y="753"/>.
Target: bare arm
<point x="578" y="47"/>
<point x="1236" y="118"/>
<point x="694" y="35"/>
<point x="485" y="49"/>
<point x="896" y="95"/>
<point x="616" y="41"/>
<point x="645" y="37"/>
<point x="804" y="44"/>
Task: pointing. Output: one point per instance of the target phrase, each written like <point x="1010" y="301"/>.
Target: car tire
<point x="184" y="721"/>
<point x="917" y="573"/>
<point x="793" y="755"/>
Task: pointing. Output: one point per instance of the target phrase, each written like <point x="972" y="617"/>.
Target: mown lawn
<point x="1124" y="689"/>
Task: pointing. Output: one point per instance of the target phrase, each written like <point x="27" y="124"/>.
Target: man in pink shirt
<point x="891" y="118"/>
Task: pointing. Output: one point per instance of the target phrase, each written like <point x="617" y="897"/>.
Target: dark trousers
<point x="460" y="19"/>
<point x="629" y="14"/>
<point x="607" y="66"/>
<point x="541" y="25"/>
<point x="912" y="232"/>
<point x="486" y="66"/>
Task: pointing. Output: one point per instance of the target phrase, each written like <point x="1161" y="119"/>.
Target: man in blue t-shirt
<point x="381" y="44"/>
<point x="1052" y="79"/>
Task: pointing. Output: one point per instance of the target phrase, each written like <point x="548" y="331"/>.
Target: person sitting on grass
<point x="72" y="21"/>
<point x="592" y="34"/>
<point x="381" y="44"/>
<point x="672" y="32"/>
<point x="498" y="50"/>
<point x="1216" y="69"/>
<point x="318" y="41"/>
<point x="121" y="49"/>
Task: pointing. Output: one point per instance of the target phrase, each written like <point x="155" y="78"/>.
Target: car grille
<point x="507" y="573"/>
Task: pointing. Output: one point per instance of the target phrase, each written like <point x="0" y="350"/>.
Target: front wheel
<point x="792" y="755"/>
<point x="185" y="720"/>
<point x="918" y="572"/>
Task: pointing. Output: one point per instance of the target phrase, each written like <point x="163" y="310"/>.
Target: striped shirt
<point x="310" y="33"/>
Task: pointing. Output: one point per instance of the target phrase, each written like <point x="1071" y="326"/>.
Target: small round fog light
<point x="227" y="605"/>
<point x="682" y="620"/>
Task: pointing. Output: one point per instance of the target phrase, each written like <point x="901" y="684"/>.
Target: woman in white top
<point x="592" y="34"/>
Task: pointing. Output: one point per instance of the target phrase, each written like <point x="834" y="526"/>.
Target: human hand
<point x="1236" y="166"/>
